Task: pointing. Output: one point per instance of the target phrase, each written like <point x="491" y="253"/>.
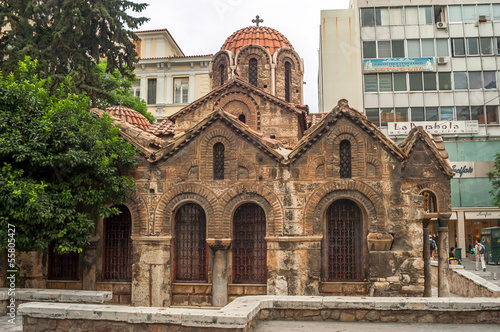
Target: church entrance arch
<point x="344" y="246"/>
<point x="249" y="245"/>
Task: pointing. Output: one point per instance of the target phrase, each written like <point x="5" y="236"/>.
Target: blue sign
<point x="399" y="64"/>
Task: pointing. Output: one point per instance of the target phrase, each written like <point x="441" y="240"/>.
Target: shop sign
<point x="399" y="64"/>
<point x="434" y="127"/>
<point x="463" y="169"/>
<point x="482" y="215"/>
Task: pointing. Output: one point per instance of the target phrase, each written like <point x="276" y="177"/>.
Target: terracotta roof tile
<point x="267" y="37"/>
<point x="315" y="118"/>
<point x="129" y="115"/>
<point x="162" y="127"/>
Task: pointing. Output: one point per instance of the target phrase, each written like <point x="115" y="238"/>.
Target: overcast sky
<point x="201" y="26"/>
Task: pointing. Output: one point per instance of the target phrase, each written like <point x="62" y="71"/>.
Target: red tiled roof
<point x="129" y="115"/>
<point x="314" y="118"/>
<point x="162" y="127"/>
<point x="264" y="36"/>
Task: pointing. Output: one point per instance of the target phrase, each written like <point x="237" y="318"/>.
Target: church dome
<point x="129" y="115"/>
<point x="269" y="38"/>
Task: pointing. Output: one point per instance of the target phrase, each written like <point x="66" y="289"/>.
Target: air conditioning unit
<point x="442" y="60"/>
<point x="441" y="25"/>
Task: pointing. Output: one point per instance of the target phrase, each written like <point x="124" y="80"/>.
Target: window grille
<point x="345" y="159"/>
<point x="117" y="260"/>
<point x="249" y="245"/>
<point x="222" y="70"/>
<point x="190" y="244"/>
<point x="429" y="202"/>
<point x="288" y="74"/>
<point x="218" y="161"/>
<point x="344" y="237"/>
<point x="63" y="267"/>
<point x="252" y="72"/>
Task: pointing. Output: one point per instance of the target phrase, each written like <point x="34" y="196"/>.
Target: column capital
<point x="219" y="244"/>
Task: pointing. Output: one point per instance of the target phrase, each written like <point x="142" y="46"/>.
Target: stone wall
<point x="466" y="283"/>
<point x="244" y="313"/>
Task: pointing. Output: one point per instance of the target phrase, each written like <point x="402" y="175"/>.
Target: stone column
<point x="89" y="268"/>
<point x="219" y="278"/>
<point x="443" y="252"/>
<point x="427" y="261"/>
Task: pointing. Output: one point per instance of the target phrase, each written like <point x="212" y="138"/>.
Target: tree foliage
<point x="60" y="164"/>
<point x="495" y="180"/>
<point x="68" y="37"/>
<point x="119" y="88"/>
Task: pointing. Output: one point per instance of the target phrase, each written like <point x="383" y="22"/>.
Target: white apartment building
<point x="431" y="63"/>
<point x="168" y="80"/>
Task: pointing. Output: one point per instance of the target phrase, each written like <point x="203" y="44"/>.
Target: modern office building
<point x="168" y="80"/>
<point x="430" y="63"/>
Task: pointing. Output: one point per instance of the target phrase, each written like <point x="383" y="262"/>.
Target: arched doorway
<point x="249" y="245"/>
<point x="344" y="246"/>
<point x="190" y="244"/>
<point x="117" y="257"/>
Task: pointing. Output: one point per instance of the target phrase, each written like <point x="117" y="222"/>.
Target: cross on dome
<point x="257" y="20"/>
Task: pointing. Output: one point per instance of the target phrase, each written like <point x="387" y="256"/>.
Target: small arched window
<point x="288" y="77"/>
<point x="222" y="71"/>
<point x="430" y="205"/>
<point x="242" y="118"/>
<point x="252" y="71"/>
<point x="218" y="161"/>
<point x="345" y="159"/>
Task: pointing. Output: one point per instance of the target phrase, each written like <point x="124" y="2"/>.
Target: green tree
<point x="495" y="180"/>
<point x="60" y="164"/>
<point x="119" y="88"/>
<point x="68" y="37"/>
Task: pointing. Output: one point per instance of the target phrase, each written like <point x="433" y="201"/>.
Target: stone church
<point x="243" y="192"/>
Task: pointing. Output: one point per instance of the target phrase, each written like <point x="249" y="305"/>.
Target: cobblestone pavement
<point x="296" y="326"/>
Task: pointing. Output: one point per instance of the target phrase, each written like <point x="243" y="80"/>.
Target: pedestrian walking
<point x="433" y="246"/>
<point x="480" y="250"/>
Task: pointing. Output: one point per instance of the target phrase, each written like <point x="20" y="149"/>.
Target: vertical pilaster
<point x="89" y="273"/>
<point x="444" y="260"/>
<point x="427" y="260"/>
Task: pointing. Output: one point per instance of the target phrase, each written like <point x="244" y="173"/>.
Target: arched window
<point x="344" y="241"/>
<point x="62" y="267"/>
<point x="249" y="245"/>
<point x="252" y="71"/>
<point x="430" y="205"/>
<point x="242" y="118"/>
<point x="222" y="71"/>
<point x="190" y="243"/>
<point x="218" y="161"/>
<point x="288" y="78"/>
<point x="117" y="259"/>
<point x="345" y="159"/>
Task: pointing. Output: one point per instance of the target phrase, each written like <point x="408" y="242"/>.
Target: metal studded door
<point x="249" y="245"/>
<point x="344" y="227"/>
<point x="190" y="244"/>
<point x="117" y="260"/>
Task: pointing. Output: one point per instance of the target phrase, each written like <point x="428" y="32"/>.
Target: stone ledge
<point x="58" y="295"/>
<point x="479" y="281"/>
<point x="244" y="310"/>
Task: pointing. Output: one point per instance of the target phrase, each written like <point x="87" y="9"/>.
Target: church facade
<point x="243" y="192"/>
